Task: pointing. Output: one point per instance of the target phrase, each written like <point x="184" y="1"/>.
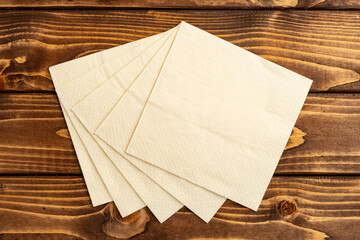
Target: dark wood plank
<point x="331" y="145"/>
<point x="200" y="4"/>
<point x="321" y="45"/>
<point x="59" y="208"/>
<point x="34" y="138"/>
<point x="293" y="208"/>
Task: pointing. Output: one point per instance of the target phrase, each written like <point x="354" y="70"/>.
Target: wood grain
<point x="51" y="205"/>
<point x="233" y="4"/>
<point x="311" y="43"/>
<point x="293" y="208"/>
<point x="34" y="138"/>
<point x="331" y="123"/>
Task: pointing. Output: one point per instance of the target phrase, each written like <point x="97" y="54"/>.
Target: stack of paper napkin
<point x="181" y="118"/>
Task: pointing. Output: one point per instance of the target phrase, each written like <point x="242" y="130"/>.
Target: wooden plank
<point x="199" y="4"/>
<point x="293" y="208"/>
<point x="34" y="138"/>
<point x="321" y="45"/>
<point x="331" y="145"/>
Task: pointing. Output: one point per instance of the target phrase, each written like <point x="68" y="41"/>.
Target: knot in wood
<point x="286" y="208"/>
<point x="127" y="227"/>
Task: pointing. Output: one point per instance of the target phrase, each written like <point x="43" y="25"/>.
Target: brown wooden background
<point x="315" y="193"/>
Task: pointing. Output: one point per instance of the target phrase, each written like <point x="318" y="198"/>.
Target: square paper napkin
<point x="219" y="116"/>
<point x="179" y="118"/>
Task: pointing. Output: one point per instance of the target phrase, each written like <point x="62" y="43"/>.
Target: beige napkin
<point x="219" y="116"/>
<point x="202" y="202"/>
<point x="125" y="198"/>
<point x="162" y="204"/>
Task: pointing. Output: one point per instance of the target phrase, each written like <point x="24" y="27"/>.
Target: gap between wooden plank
<point x="185" y="4"/>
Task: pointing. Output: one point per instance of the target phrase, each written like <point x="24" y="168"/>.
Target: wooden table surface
<point x="315" y="193"/>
